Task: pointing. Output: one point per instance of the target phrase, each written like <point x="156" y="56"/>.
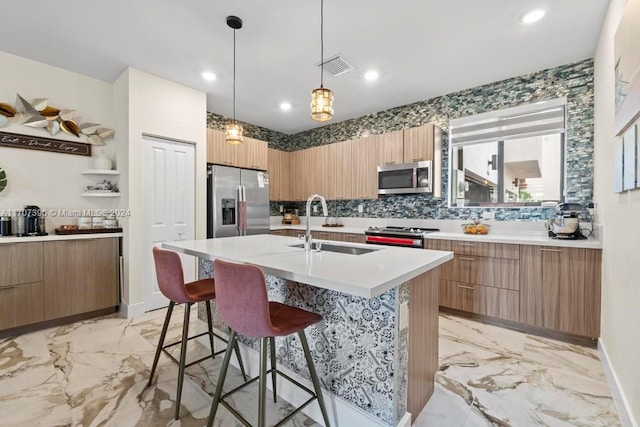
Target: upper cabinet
<point x="279" y="168"/>
<point x="251" y="154"/>
<point x="390" y="148"/>
<point x="418" y="143"/>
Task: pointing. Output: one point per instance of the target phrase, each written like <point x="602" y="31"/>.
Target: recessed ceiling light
<point x="208" y="76"/>
<point x="285" y="106"/>
<point x="371" y="75"/>
<point x="532" y="16"/>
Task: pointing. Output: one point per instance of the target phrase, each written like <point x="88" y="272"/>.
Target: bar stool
<point x="242" y="303"/>
<point x="171" y="283"/>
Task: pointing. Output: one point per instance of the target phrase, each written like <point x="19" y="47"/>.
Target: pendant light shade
<point x="321" y="98"/>
<point x="321" y="104"/>
<point x="233" y="130"/>
<point x="233" y="133"/>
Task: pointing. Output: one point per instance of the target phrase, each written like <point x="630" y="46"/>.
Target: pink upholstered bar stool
<point x="171" y="283"/>
<point x="242" y="303"/>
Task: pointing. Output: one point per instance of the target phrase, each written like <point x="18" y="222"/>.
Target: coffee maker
<point x="566" y="225"/>
<point x="33" y="222"/>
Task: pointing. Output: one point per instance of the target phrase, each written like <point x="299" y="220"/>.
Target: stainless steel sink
<point x="351" y="250"/>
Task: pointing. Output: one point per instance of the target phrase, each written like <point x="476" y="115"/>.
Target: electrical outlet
<point x="315" y="208"/>
<point x="404" y="315"/>
<point x="488" y="215"/>
<point x="360" y="208"/>
<point x="281" y="208"/>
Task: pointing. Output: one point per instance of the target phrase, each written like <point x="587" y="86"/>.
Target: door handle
<point x="550" y="250"/>
<point x="466" y="259"/>
<point x="467" y="287"/>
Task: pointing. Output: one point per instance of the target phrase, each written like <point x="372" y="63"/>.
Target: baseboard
<point x="340" y="412"/>
<point x="619" y="398"/>
<point x="129" y="311"/>
<point x="405" y="421"/>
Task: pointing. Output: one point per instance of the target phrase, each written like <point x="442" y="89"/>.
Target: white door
<point x="168" y="189"/>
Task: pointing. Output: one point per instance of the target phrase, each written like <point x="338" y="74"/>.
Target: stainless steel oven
<point x="405" y="178"/>
<point x="410" y="237"/>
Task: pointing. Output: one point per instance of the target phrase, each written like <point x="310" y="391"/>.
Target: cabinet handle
<point x="466" y="244"/>
<point x="467" y="287"/>
<point x="419" y="159"/>
<point x="255" y="167"/>
<point x="466" y="259"/>
<point x="389" y="163"/>
<point x="7" y="287"/>
<point x="551" y="250"/>
<point x="364" y="196"/>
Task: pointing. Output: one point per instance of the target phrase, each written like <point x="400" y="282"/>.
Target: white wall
<point x="147" y="104"/>
<point x="619" y="214"/>
<point x="52" y="180"/>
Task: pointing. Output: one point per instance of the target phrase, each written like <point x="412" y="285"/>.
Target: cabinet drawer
<point x="485" y="300"/>
<point x="437" y="245"/>
<point x="496" y="272"/>
<point x="20" y="263"/>
<point x="494" y="250"/>
<point x="20" y="305"/>
<point x="279" y="232"/>
<point x="353" y="238"/>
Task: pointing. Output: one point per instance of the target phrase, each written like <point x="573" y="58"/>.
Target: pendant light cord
<point x="321" y="43"/>
<point x="234" y="75"/>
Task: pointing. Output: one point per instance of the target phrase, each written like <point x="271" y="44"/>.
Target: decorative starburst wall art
<point x="39" y="114"/>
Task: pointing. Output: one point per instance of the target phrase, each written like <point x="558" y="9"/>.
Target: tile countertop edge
<point x="56" y="237"/>
<point x="515" y="239"/>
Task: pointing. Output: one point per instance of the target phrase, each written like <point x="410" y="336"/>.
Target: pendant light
<point x="233" y="131"/>
<point x="321" y="98"/>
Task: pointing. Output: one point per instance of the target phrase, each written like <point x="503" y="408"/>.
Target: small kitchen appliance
<point x="5" y="225"/>
<point x="410" y="237"/>
<point x="33" y="222"/>
<point x="566" y="225"/>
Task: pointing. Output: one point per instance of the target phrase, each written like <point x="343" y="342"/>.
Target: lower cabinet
<point x="485" y="300"/>
<point x="80" y="276"/>
<point x="20" y="305"/>
<point x="555" y="288"/>
<point x="561" y="289"/>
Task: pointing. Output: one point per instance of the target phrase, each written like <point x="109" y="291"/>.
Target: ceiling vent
<point x="337" y="66"/>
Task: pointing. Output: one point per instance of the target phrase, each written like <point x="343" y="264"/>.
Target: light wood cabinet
<point x="80" y="276"/>
<point x="561" y="289"/>
<point x="391" y="150"/>
<point x="418" y="143"/>
<point x="483" y="278"/>
<point x="279" y="168"/>
<point x="21" y="273"/>
<point x="218" y="151"/>
<point x="485" y="300"/>
<point x="365" y="154"/>
<point x="251" y="154"/>
<point x="20" y="304"/>
<point x="20" y="263"/>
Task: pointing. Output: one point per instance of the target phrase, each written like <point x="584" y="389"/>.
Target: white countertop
<point x="55" y="237"/>
<point x="500" y="232"/>
<point x="366" y="275"/>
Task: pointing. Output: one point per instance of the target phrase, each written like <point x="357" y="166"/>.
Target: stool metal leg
<point x="262" y="384"/>
<point x="272" y="348"/>
<point x="314" y="377"/>
<point x="163" y="334"/>
<point x="210" y="326"/>
<point x="183" y="356"/>
<point x="221" y="378"/>
<point x="236" y="347"/>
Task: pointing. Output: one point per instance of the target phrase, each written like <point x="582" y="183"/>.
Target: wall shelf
<point x="100" y="194"/>
<point x="100" y="172"/>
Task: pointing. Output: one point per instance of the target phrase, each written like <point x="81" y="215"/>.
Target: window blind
<point x="511" y="123"/>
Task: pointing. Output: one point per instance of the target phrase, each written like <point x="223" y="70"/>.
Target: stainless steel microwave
<point x="405" y="178"/>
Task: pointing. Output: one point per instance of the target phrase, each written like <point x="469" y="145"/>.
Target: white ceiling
<point x="421" y="48"/>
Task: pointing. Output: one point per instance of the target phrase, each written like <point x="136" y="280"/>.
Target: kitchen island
<point x="377" y="347"/>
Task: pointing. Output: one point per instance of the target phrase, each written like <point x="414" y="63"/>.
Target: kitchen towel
<point x="242" y="210"/>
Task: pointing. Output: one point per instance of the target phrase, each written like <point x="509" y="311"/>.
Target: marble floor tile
<point x="95" y="373"/>
<point x="491" y="376"/>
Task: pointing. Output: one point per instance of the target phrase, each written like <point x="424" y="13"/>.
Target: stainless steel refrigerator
<point x="226" y="189"/>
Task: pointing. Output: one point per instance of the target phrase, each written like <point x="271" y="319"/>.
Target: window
<point x="510" y="157"/>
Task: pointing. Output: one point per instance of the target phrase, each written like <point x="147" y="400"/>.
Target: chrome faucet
<point x="307" y="236"/>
